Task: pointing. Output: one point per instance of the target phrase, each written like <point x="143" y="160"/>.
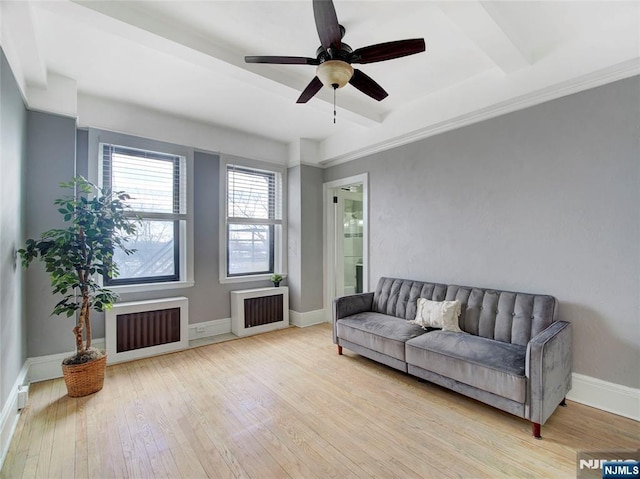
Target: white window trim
<point x="143" y="287"/>
<point x="96" y="137"/>
<point x="280" y="247"/>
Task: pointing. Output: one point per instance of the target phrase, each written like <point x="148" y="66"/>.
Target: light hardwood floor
<point x="285" y="405"/>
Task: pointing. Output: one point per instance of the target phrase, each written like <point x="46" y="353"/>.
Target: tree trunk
<point x="80" y="346"/>
<point x="84" y="309"/>
<point x="87" y="322"/>
<point x="77" y="331"/>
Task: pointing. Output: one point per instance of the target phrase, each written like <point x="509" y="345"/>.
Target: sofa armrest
<point x="548" y="369"/>
<point x="345" y="306"/>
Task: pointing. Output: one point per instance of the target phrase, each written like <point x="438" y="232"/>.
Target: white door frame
<point x="329" y="249"/>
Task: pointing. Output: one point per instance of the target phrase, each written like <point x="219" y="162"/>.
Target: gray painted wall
<point x="50" y="161"/>
<point x="294" y="237"/>
<point x="13" y="147"/>
<point x="312" y="239"/>
<point x="82" y="152"/>
<point x="543" y="200"/>
<point x="305" y="265"/>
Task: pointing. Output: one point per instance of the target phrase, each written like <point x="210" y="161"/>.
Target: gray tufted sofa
<point x="516" y="355"/>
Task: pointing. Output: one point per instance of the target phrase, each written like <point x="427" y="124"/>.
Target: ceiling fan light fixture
<point x="334" y="73"/>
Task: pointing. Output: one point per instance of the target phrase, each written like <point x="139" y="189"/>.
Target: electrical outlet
<point x="199" y="329"/>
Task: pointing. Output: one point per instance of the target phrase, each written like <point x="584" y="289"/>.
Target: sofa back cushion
<point x="502" y="315"/>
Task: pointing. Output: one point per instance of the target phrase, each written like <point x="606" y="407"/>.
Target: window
<point x="253" y="220"/>
<point x="157" y="185"/>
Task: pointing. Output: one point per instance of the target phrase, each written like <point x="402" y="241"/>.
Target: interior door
<point x="346" y="238"/>
<point x="352" y="239"/>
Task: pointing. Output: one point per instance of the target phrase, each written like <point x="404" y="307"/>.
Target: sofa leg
<point x="563" y="403"/>
<point x="339" y="350"/>
<point x="535" y="427"/>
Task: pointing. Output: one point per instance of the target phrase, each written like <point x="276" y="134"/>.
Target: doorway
<point x="346" y="238"/>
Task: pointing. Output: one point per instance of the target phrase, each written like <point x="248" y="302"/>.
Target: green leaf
<point x="96" y="225"/>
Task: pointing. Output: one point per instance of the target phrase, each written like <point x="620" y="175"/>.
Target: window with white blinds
<point x="156" y="183"/>
<point x="254" y="220"/>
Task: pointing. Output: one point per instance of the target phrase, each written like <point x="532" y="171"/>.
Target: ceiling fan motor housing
<point x="333" y="53"/>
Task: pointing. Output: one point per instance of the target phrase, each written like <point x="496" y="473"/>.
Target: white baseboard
<point x="42" y="368"/>
<point x="610" y="397"/>
<point x="10" y="414"/>
<point x="206" y="329"/>
<point x="302" y="320"/>
<point x="218" y="327"/>
<point x="223" y="326"/>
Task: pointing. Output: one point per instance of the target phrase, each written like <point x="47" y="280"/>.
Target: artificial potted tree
<point x="76" y="258"/>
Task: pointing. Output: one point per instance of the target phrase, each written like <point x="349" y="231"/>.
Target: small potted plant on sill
<point x="75" y="257"/>
<point x="275" y="279"/>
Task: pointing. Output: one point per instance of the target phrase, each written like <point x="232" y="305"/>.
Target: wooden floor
<point x="285" y="405"/>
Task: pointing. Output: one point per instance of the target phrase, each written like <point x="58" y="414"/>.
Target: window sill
<point x="146" y="287"/>
<point x="248" y="279"/>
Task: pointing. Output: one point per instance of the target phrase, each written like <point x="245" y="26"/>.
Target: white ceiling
<point x="186" y="58"/>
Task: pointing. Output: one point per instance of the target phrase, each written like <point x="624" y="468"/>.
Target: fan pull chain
<point x="334" y="105"/>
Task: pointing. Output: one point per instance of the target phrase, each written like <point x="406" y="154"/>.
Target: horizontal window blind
<point x="156" y="182"/>
<point x="253" y="195"/>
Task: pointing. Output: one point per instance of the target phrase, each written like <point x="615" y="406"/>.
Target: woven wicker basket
<point x="84" y="379"/>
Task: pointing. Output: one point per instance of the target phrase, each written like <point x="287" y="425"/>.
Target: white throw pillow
<point x="438" y="314"/>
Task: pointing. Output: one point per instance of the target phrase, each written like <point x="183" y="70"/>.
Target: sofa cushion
<point x="486" y="364"/>
<point x="438" y="314"/>
<point x="378" y="332"/>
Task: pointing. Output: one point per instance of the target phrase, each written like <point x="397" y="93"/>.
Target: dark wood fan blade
<point x="327" y="23"/>
<point x="312" y="88"/>
<point x="282" y="60"/>
<point x="367" y="85"/>
<point x="387" y="51"/>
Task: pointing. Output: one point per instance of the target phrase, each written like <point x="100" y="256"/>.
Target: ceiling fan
<point x="334" y="58"/>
